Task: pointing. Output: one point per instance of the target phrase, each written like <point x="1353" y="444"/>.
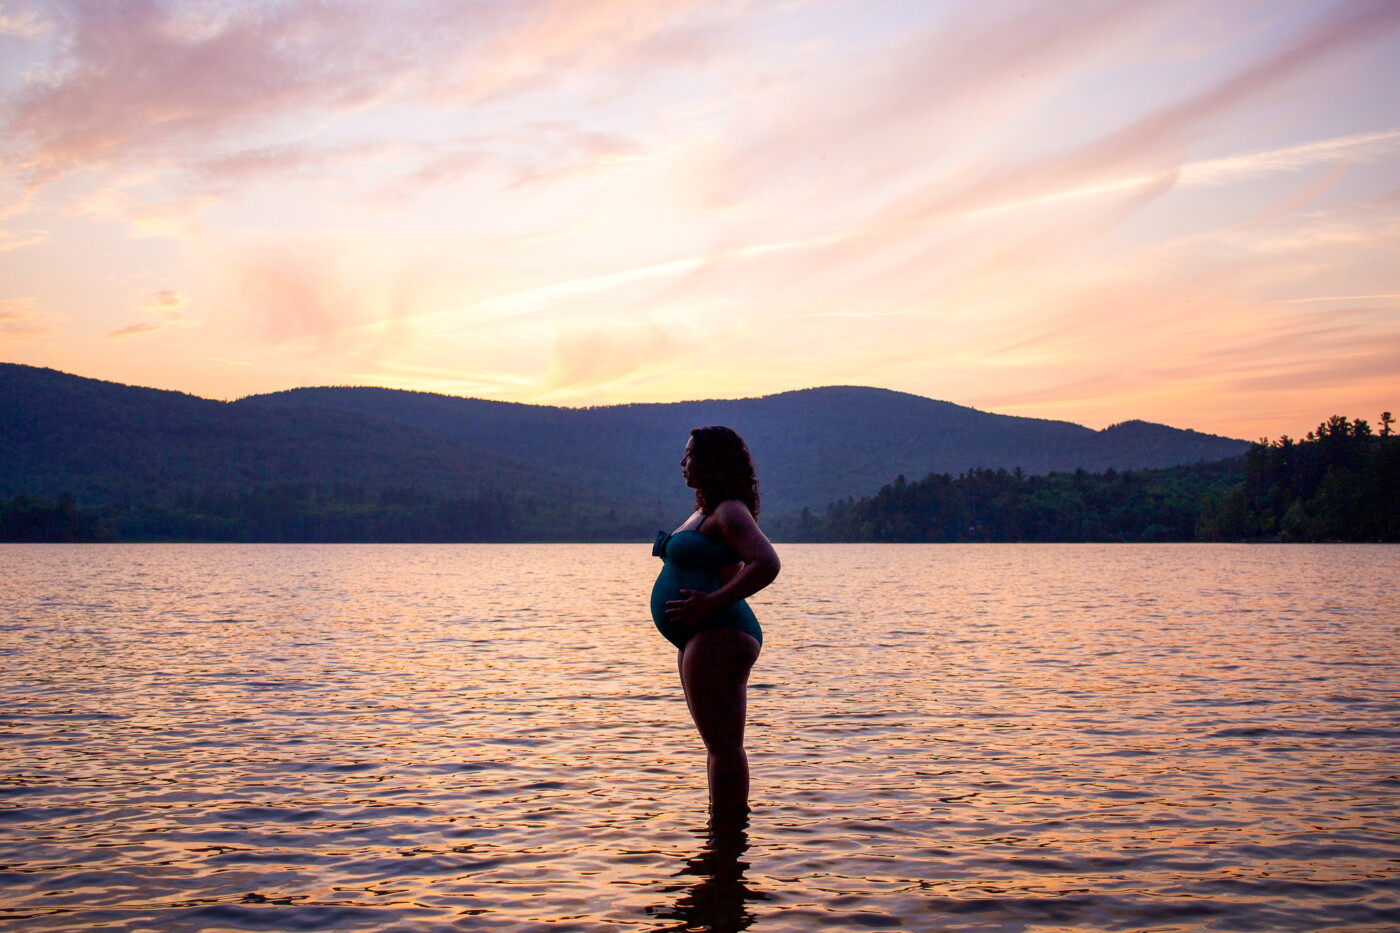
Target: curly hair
<point x="722" y="469"/>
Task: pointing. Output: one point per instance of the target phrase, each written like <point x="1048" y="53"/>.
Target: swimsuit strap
<point x="719" y="542"/>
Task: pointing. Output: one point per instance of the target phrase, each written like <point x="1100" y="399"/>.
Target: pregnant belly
<point x="672" y="580"/>
<point x="668" y="586"/>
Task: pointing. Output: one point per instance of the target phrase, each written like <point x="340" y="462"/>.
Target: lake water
<point x="476" y="737"/>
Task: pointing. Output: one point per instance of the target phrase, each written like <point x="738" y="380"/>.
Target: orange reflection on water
<point x="944" y="736"/>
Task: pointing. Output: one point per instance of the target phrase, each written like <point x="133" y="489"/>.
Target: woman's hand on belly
<point x="696" y="607"/>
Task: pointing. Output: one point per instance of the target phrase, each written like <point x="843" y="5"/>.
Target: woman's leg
<point x="685" y="684"/>
<point x="715" y="669"/>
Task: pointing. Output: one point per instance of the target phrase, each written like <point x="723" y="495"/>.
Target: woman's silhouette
<point x="713" y="561"/>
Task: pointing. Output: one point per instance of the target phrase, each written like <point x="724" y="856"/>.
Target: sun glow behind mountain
<point x="1184" y="212"/>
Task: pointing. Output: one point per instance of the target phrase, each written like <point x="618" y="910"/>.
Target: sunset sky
<point x="1186" y="212"/>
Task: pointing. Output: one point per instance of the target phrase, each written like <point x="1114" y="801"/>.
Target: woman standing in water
<point x="713" y="561"/>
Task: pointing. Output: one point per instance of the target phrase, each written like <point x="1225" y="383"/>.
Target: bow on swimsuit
<point x="691" y="562"/>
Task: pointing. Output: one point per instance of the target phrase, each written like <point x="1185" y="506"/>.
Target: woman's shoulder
<point x="733" y="510"/>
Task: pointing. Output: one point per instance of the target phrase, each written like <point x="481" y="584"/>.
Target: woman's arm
<point x="761" y="565"/>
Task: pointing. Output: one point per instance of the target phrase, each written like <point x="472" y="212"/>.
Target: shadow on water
<point x="718" y="901"/>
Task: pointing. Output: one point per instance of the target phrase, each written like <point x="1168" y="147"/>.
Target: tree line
<point x="1340" y="483"/>
<point x="315" y="513"/>
<point x="1001" y="505"/>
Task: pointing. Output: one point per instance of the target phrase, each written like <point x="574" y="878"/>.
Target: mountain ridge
<point x="103" y="440"/>
<point x="812" y="445"/>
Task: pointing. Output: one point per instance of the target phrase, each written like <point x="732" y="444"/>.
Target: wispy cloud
<point x="144" y="81"/>
<point x="225" y="171"/>
<point x="298" y="292"/>
<point x="1207" y="317"/>
<point x="23" y="319"/>
<point x="1358" y="147"/>
<point x="1381" y="297"/>
<point x="1227" y="170"/>
<point x="133" y="330"/>
<point x="533" y="154"/>
<point x="26" y="25"/>
<point x="596" y="356"/>
<point x="856" y="123"/>
<point x="536" y="298"/>
<point x="1064" y="207"/>
<point x="1158" y="139"/>
<point x="167" y="303"/>
<point x="11" y="240"/>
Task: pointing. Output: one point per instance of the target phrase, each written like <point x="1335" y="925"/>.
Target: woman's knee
<point x="725" y="749"/>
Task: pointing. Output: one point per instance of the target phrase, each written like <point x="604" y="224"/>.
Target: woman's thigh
<point x="715" y="671"/>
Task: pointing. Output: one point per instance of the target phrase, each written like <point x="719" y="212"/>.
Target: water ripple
<point x="944" y="737"/>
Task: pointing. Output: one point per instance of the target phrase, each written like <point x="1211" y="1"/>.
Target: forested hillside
<point x="1001" y="505"/>
<point x="153" y="465"/>
<point x="1341" y="483"/>
<point x="812" y="446"/>
<point x="104" y="442"/>
<point x="377" y="464"/>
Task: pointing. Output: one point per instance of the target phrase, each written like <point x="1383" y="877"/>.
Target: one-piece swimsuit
<point x="691" y="561"/>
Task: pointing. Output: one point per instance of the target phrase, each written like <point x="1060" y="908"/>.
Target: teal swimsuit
<point x="692" y="562"/>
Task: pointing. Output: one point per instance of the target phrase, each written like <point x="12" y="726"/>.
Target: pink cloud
<point x="167" y="303"/>
<point x="133" y="330"/>
<point x="847" y="163"/>
<point x="1189" y="334"/>
<point x="441" y="169"/>
<point x="22" y="319"/>
<point x="290" y="293"/>
<point x="10" y="240"/>
<point x="226" y="170"/>
<point x="138" y="85"/>
<point x="542" y="152"/>
<point x="1336" y="341"/>
<point x="966" y="70"/>
<point x="1157" y="141"/>
<point x="597" y="356"/>
<point x="566" y="151"/>
<point x="24" y="25"/>
<point x="553" y="41"/>
<point x="1299" y="198"/>
<point x="141" y="83"/>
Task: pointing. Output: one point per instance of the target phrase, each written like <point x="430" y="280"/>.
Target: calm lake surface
<point x="480" y="737"/>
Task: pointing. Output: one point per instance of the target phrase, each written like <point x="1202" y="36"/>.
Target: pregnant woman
<point x="713" y="561"/>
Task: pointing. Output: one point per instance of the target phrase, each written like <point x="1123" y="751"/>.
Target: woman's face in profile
<point x="687" y="462"/>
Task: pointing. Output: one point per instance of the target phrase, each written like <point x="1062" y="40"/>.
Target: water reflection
<point x="981" y="738"/>
<point x="718" y="902"/>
